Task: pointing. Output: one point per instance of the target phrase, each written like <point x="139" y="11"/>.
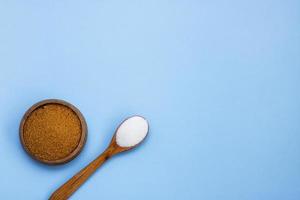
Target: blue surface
<point x="218" y="81"/>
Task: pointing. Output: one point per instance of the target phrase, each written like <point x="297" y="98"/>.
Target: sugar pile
<point x="132" y="131"/>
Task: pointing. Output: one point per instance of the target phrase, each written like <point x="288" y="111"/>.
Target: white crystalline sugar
<point x="132" y="131"/>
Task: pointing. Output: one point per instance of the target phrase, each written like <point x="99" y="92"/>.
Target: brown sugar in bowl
<point x="53" y="131"/>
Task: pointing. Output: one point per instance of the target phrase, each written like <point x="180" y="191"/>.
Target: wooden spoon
<point x="128" y="135"/>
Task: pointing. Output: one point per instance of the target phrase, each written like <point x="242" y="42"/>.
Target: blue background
<point x="218" y="81"/>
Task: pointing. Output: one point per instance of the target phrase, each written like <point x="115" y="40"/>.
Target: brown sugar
<point x="51" y="132"/>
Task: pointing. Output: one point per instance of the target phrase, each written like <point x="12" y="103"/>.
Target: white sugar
<point x="132" y="131"/>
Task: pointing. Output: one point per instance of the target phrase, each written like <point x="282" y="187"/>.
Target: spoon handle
<point x="67" y="189"/>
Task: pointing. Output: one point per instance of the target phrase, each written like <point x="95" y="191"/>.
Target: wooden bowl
<point x="80" y="144"/>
